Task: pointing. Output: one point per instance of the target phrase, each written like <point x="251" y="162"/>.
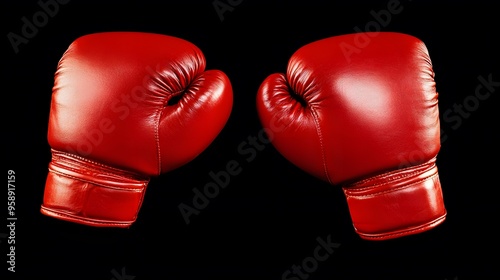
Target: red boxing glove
<point x="126" y="106"/>
<point x="365" y="118"/>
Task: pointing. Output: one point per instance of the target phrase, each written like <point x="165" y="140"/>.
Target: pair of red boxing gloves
<point x="127" y="106"/>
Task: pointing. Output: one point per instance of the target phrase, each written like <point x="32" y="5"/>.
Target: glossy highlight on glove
<point x="127" y="106"/>
<point x="351" y="120"/>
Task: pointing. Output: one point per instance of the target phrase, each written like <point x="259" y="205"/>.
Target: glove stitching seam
<point x="139" y="189"/>
<point x="157" y="138"/>
<point x="320" y="136"/>
<point x="404" y="233"/>
<point x="390" y="174"/>
<point x="128" y="174"/>
<point x="91" y="221"/>
<point x="75" y="169"/>
<point x="388" y="180"/>
<point x="393" y="189"/>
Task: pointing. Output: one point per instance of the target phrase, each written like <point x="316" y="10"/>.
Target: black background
<point x="269" y="216"/>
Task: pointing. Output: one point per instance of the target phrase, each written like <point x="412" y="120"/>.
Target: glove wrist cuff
<point x="86" y="192"/>
<point x="398" y="203"/>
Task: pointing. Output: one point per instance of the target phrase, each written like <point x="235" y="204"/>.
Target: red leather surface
<point x="346" y="111"/>
<point x="122" y="82"/>
<point x="82" y="191"/>
<point x="398" y="203"/>
<point x="138" y="102"/>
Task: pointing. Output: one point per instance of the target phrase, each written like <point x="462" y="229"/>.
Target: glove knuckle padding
<point x="126" y="106"/>
<point x="288" y="101"/>
<point x="368" y="122"/>
<point x="95" y="85"/>
<point x="360" y="104"/>
<point x="189" y="126"/>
